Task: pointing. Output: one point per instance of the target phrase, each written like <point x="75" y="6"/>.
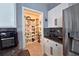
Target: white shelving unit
<point x="32" y="27"/>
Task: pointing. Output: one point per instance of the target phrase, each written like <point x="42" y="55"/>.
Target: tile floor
<point x="35" y="49"/>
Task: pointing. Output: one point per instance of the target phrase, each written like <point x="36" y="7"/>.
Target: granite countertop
<point x="56" y="39"/>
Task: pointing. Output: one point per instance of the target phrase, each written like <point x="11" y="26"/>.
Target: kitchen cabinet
<point x="57" y="48"/>
<point x="55" y="15"/>
<point x="46" y="46"/>
<point x="7" y="15"/>
<point x="53" y="48"/>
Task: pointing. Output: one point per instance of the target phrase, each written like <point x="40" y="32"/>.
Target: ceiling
<point x="49" y="5"/>
<point x="52" y="5"/>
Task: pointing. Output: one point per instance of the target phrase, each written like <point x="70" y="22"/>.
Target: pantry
<point x="32" y="27"/>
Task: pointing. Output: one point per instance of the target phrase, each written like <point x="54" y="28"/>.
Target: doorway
<point x="33" y="31"/>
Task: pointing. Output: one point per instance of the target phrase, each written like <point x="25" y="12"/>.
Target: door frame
<point x="23" y="25"/>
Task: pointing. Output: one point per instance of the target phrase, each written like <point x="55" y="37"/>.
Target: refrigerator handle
<point x="69" y="36"/>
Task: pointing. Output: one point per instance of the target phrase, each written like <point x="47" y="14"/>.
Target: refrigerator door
<point x="71" y="30"/>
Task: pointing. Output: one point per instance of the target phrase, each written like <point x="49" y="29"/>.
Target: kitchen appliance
<point x="8" y="39"/>
<point x="71" y="30"/>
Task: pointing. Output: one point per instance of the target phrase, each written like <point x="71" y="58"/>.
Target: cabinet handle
<point x="47" y="40"/>
<point x="56" y="44"/>
<point x="51" y="50"/>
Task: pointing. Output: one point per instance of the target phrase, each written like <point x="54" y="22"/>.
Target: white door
<point x="41" y="25"/>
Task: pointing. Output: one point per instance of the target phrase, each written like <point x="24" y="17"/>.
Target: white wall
<point x="7" y="15"/>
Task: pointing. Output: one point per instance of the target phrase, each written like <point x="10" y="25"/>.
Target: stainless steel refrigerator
<point x="71" y="30"/>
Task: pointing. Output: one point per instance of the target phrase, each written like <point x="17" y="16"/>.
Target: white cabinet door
<point x="57" y="48"/>
<point x="54" y="17"/>
<point x="47" y="46"/>
<point x="54" y="52"/>
<point x="56" y="13"/>
<point x="52" y="48"/>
